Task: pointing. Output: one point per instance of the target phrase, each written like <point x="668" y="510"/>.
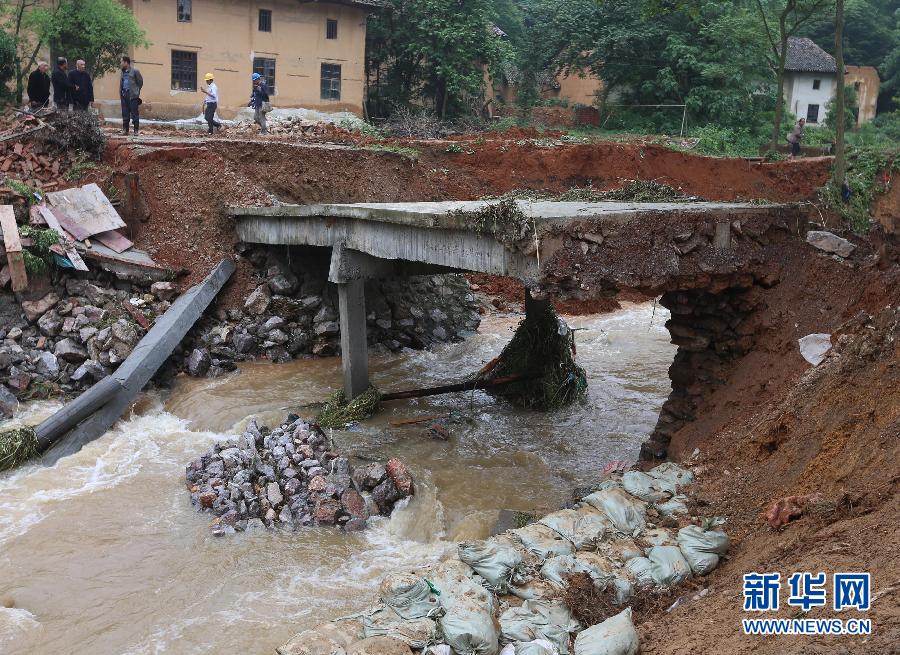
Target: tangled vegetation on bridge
<point x="542" y="351"/>
<point x="504" y="220"/>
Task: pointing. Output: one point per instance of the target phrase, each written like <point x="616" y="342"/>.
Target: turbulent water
<point x="104" y="555"/>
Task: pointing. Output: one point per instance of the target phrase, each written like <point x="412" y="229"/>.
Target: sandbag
<point x="647" y="487"/>
<point x="409" y="595"/>
<point x="623" y="589"/>
<point x="658" y="537"/>
<point x="675" y="506"/>
<point x="382" y="621"/>
<point x="664" y="566"/>
<point x="623" y="510"/>
<point x="497" y="562"/>
<point x="536" y="647"/>
<point x="675" y="475"/>
<point x="539" y="619"/>
<point x="615" y="636"/>
<point x="702" y="548"/>
<point x="467" y="624"/>
<point x="542" y="542"/>
<point x="535" y="588"/>
<point x="584" y="527"/>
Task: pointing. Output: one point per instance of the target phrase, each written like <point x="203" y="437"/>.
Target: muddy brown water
<point x="104" y="555"/>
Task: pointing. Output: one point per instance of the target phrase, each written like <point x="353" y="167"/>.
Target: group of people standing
<point x="71" y="88"/>
<point x="75" y="90"/>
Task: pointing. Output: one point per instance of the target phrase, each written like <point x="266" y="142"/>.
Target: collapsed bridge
<point x="705" y="259"/>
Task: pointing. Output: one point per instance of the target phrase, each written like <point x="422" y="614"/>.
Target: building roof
<point x="805" y="56"/>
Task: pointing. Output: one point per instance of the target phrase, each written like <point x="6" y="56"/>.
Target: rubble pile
<point x="291" y="477"/>
<point x="73" y="336"/>
<point x="294" y="312"/>
<point x="632" y="535"/>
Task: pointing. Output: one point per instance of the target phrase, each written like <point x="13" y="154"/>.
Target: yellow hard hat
<point x="208" y="77"/>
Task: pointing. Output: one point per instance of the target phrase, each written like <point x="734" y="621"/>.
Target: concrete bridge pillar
<point x="354" y="350"/>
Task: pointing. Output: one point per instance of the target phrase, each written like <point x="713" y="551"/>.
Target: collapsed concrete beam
<point x="137" y="369"/>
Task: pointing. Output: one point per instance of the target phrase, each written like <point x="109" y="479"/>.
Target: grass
<point x="407" y="153"/>
<point x="865" y="167"/>
<point x="17" y="446"/>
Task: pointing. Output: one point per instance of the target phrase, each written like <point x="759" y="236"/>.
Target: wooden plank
<point x="114" y="240"/>
<point x="14" y="257"/>
<point x="71" y="253"/>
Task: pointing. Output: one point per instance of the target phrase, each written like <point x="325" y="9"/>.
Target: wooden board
<point x="71" y="253"/>
<point x="114" y="241"/>
<point x="87" y="207"/>
<point x="14" y="257"/>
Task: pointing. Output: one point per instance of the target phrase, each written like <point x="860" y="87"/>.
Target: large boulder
<point x="198" y="363"/>
<point x="36" y="308"/>
<point x="258" y="301"/>
<point x="70" y="351"/>
<point x="828" y="242"/>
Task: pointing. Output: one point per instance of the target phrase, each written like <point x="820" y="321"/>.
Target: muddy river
<point x="104" y="555"/>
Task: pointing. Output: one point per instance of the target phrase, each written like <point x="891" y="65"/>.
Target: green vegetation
<point x="38" y="257"/>
<point x="407" y="153"/>
<point x="865" y="166"/>
<point x="338" y="413"/>
<point x="79" y="168"/>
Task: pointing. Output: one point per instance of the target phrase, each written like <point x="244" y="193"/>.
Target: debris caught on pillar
<point x="542" y="353"/>
<point x="338" y="413"/>
<point x="17" y="445"/>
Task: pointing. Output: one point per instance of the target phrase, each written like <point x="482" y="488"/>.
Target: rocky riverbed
<point x="291" y="477"/>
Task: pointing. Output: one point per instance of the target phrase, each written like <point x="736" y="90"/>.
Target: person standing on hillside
<point x="130" y="91"/>
<point x="211" y="102"/>
<point x="83" y="85"/>
<point x="39" y="86"/>
<point x="795" y="137"/>
<point x="62" y="89"/>
<point x="259" y="100"/>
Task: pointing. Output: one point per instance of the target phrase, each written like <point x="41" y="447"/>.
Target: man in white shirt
<point x="211" y="102"/>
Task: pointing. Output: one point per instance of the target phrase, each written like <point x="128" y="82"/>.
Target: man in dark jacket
<point x="130" y="92"/>
<point x="83" y="87"/>
<point x="62" y="90"/>
<point x="39" y="86"/>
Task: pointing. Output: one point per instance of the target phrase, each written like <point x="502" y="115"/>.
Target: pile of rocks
<point x="294" y="312"/>
<point x="72" y="336"/>
<point x="291" y="477"/>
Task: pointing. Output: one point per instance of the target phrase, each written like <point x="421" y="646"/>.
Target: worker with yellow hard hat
<point x="211" y="102"/>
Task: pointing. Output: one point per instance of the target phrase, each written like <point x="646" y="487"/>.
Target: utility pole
<point x="840" y="163"/>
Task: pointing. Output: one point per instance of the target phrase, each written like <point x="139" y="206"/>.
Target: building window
<point x="184" y="10"/>
<point x="184" y="70"/>
<point x="812" y="114"/>
<point x="817" y="84"/>
<point x="265" y="20"/>
<point x="331" y="28"/>
<point x="331" y="81"/>
<point x="266" y="68"/>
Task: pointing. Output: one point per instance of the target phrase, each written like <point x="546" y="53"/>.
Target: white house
<point x="809" y="79"/>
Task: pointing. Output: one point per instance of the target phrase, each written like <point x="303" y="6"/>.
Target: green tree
<point x="98" y="31"/>
<point x="7" y="64"/>
<point x="18" y="20"/>
<point x="783" y="19"/>
<point x="432" y="50"/>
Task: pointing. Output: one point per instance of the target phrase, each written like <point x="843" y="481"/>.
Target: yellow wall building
<point x="311" y="53"/>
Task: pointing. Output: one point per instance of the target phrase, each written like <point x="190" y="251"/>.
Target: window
<point x="184" y="10"/>
<point x="265" y="20"/>
<point x="331" y="81"/>
<point x="331" y="29"/>
<point x="812" y="114"/>
<point x="266" y="68"/>
<point x="817" y="84"/>
<point x="184" y="70"/>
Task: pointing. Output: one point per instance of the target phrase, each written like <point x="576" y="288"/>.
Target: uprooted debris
<point x="610" y="541"/>
<point x="542" y="353"/>
<point x="291" y="477"/>
<point x="338" y="413"/>
<point x="17" y="445"/>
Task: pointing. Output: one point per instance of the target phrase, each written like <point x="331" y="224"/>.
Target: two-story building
<point x="311" y="53"/>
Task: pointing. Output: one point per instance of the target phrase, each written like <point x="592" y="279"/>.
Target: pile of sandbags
<point x="503" y="594"/>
